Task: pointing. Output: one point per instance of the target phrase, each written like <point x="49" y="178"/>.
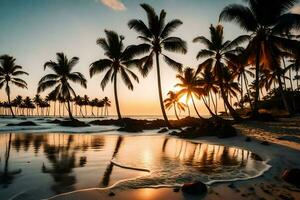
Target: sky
<point x="33" y="31"/>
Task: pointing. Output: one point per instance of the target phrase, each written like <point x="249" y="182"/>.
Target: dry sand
<point x="281" y="155"/>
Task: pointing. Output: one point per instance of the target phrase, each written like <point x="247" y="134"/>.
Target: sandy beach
<point x="280" y="154"/>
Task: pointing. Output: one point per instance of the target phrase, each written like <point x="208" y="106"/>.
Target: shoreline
<point x="279" y="154"/>
<point x="265" y="186"/>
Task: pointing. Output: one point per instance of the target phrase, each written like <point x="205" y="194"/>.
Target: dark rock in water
<point x="176" y="189"/>
<point x="56" y="121"/>
<point x="248" y="139"/>
<point x="196" y="188"/>
<point x="265" y="143"/>
<point x="210" y="127"/>
<point x="254" y="156"/>
<point x="40" y="119"/>
<point x="73" y="123"/>
<point x="27" y="123"/>
<point x="174" y="133"/>
<point x="292" y="176"/>
<point x="163" y="130"/>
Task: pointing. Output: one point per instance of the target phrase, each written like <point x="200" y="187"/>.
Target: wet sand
<point x="280" y="154"/>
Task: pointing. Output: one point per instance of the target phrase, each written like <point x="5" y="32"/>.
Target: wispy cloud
<point x="296" y="9"/>
<point x="114" y="4"/>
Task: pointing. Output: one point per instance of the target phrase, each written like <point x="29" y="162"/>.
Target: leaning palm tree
<point x="215" y="52"/>
<point x="174" y="101"/>
<point x="266" y="20"/>
<point x="117" y="62"/>
<point x="189" y="84"/>
<point x="157" y="38"/>
<point x="8" y="75"/>
<point x="61" y="78"/>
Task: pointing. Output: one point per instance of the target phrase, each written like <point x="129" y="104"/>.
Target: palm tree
<point x="37" y="100"/>
<point x="107" y="103"/>
<point x="238" y="64"/>
<point x="157" y="38"/>
<point x="117" y="62"/>
<point x="17" y="102"/>
<point x="174" y="101"/>
<point x="209" y="85"/>
<point x="189" y="84"/>
<point x="85" y="101"/>
<point x="8" y="75"/>
<point x="215" y="53"/>
<point x="61" y="77"/>
<point x="267" y="20"/>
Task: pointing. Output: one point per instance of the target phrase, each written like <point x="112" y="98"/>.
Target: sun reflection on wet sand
<point x="56" y="163"/>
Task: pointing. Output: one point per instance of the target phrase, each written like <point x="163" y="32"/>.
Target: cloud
<point x="296" y="9"/>
<point x="114" y="4"/>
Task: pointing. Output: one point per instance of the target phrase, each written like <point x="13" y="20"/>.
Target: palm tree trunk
<point x="286" y="105"/>
<point x="188" y="107"/>
<point x="69" y="109"/>
<point x="116" y="98"/>
<point x="256" y="97"/>
<point x="160" y="92"/>
<point x="195" y="106"/>
<point x="233" y="113"/>
<point x="248" y="91"/>
<point x="175" y="111"/>
<point x="207" y="106"/>
<point x="8" y="97"/>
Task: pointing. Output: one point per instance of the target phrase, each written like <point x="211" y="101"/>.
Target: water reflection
<point x="7" y="176"/>
<point x="56" y="163"/>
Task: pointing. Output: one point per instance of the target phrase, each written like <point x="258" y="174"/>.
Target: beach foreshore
<point x="281" y="154"/>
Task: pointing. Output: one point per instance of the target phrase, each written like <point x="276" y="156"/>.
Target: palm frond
<point x="106" y="78"/>
<point x="175" y="44"/>
<point x="99" y="66"/>
<point x="241" y="15"/>
<point x="126" y="79"/>
<point x="170" y="27"/>
<point x="172" y="63"/>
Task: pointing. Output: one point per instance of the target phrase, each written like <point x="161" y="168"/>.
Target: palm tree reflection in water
<point x="6" y="176"/>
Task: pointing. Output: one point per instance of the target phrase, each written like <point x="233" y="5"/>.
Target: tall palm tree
<point x="157" y="38"/>
<point x="61" y="78"/>
<point x="17" y="101"/>
<point x="117" y="62"/>
<point x="189" y="84"/>
<point x="215" y="53"/>
<point x="8" y="75"/>
<point x="266" y="20"/>
<point x="209" y="85"/>
<point x="174" y="101"/>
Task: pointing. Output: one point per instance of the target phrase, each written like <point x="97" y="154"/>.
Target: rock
<point x="176" y="189"/>
<point x="163" y="130"/>
<point x="196" y="188"/>
<point x="248" y="139"/>
<point x="56" y="121"/>
<point x="111" y="194"/>
<point x="73" y="123"/>
<point x="292" y="176"/>
<point x="231" y="185"/>
<point x="26" y="123"/>
<point x="254" y="156"/>
<point x="174" y="133"/>
<point x="265" y="143"/>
